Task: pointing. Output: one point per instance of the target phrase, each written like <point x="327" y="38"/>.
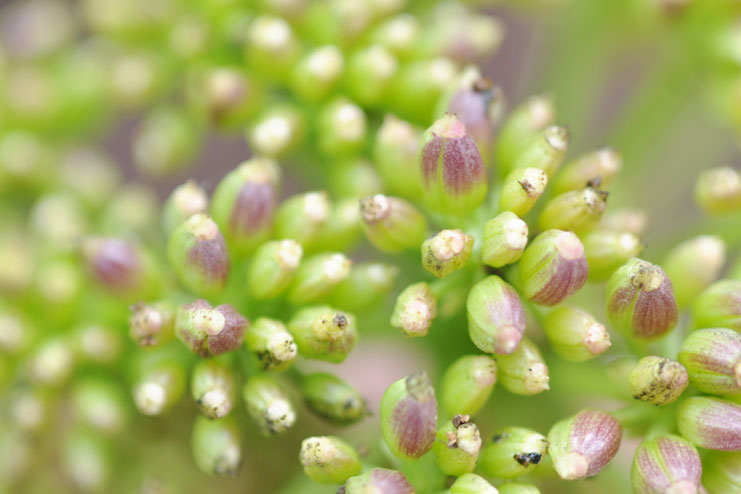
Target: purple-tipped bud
<point x="719" y="306"/>
<point x="640" y="300"/>
<point x="151" y="324"/>
<point x="453" y="172"/>
<point x="553" y="267"/>
<point x="496" y="319"/>
<point x="409" y="416"/>
<point x="208" y="331"/>
<point x="666" y="465"/>
<point x="713" y="360"/>
<point x="582" y="445"/>
<point x="711" y="423"/>
<point x="120" y="266"/>
<point x="377" y="480"/>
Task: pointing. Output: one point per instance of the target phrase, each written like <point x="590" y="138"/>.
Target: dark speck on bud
<point x="713" y="360"/>
<point x="324" y="333"/>
<point x="208" y="331"/>
<point x="657" y="380"/>
<point x="377" y="480"/>
<point x="457" y="445"/>
<point x="710" y="423"/>
<point x="666" y="465"/>
<point x="329" y="459"/>
<point x="512" y="452"/>
<point x="409" y="416"/>
<point x="496" y="318"/>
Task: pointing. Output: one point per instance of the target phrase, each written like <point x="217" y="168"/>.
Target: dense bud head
<point x="721" y="472"/>
<point x="378" y="480"/>
<point x="521" y="189"/>
<point x="583" y="444"/>
<point x="272" y="268"/>
<point x="268" y="404"/>
<point x="209" y="331"/>
<point x="151" y="324"/>
<point x="216" y="446"/>
<point x="456" y="447"/>
<point x="392" y="224"/>
<point x="719" y="306"/>
<point x="666" y="465"/>
<point x="184" y="201"/>
<point x="599" y="167"/>
<point x="496" y="318"/>
<point x="523" y="371"/>
<point x="446" y="252"/>
<point x="329" y="459"/>
<point x="693" y="265"/>
<point x="271" y="344"/>
<point x="212" y="387"/>
<point x="710" y="423"/>
<point x="574" y="334"/>
<point x="713" y="360"/>
<point x="607" y="250"/>
<point x="640" y="300"/>
<point x="324" y="333"/>
<point x="415" y="309"/>
<point x="657" y="380"/>
<point x="471" y="483"/>
<point x="334" y="399"/>
<point x="467" y="384"/>
<point x="409" y="416"/>
<point x="718" y="190"/>
<point x="505" y="238"/>
<point x="512" y="452"/>
<point x="576" y="210"/>
<point x="553" y="267"/>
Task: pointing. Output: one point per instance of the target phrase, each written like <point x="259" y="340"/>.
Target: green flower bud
<point x="317" y="276"/>
<point x="415" y="309"/>
<point x="446" y="252"/>
<point x="209" y="331"/>
<point x="272" y="344"/>
<point x="666" y="464"/>
<point x="317" y="73"/>
<point x="52" y="362"/>
<point x="553" y="267"/>
<point x="693" y="265"/>
<point x="99" y="404"/>
<point x="582" y="445"/>
<point x="626" y="220"/>
<point x="272" y="267"/>
<point x="457" y="445"/>
<point x="719" y="306"/>
<point x="329" y="459"/>
<point x="324" y="333"/>
<point x="471" y="483"/>
<point x="599" y="167"/>
<point x="378" y="480"/>
<point x="640" y="300"/>
<point x="165" y="142"/>
<point x="333" y="399"/>
<point x="718" y="190"/>
<point x="713" y="360"/>
<point x="271" y="47"/>
<point x="392" y="224"/>
<point x="367" y="284"/>
<point x="354" y="178"/>
<point x="132" y="208"/>
<point x="518" y="488"/>
<point x="29" y="410"/>
<point x="301" y="217"/>
<point x="343" y="229"/>
<point x="523" y="371"/>
<point x="160" y="385"/>
<point x="545" y="150"/>
<point x="244" y="203"/>
<point x="496" y="319"/>
<point x="341" y="128"/>
<point x="122" y="267"/>
<point x="577" y="210"/>
<point x="369" y="72"/>
<point x="89" y="172"/>
<point x="226" y="95"/>
<point x="710" y="423"/>
<point x="521" y="189"/>
<point x="197" y="252"/>
<point x="151" y="324"/>
<point x="276" y="131"/>
<point x="607" y="250"/>
<point x="15" y="332"/>
<point x="467" y="384"/>
<point x="268" y="404"/>
<point x="212" y="388"/>
<point x="100" y="345"/>
<point x="184" y="201"/>
<point x="505" y="238"/>
<point x="575" y="335"/>
<point x="398" y="34"/>
<point x="395" y="153"/>
<point x="216" y="446"/>
<point x="721" y="472"/>
<point x="513" y="451"/>
<point x="86" y="461"/>
<point x="452" y="170"/>
<point x="418" y="86"/>
<point x="657" y="380"/>
<point x="409" y="416"/>
<point x="520" y="127"/>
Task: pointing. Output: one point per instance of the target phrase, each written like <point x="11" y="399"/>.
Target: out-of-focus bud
<point x="471" y="483"/>
<point x="369" y="73"/>
<point x="184" y="201"/>
<point x="467" y="385"/>
<point x="165" y="142"/>
<point x="518" y="488"/>
<point x="718" y="190"/>
<point x="341" y="128"/>
<point x="209" y="331"/>
<point x="151" y="324"/>
<point x="133" y="208"/>
<point x="640" y="300"/>
<point x="377" y="480"/>
<point x="545" y="151"/>
<point x="301" y="217"/>
<point x="577" y="210"/>
<point x="721" y="472"/>
<point x="553" y="267"/>
<point x="456" y="447"/>
<point x="316" y="74"/>
<point x="496" y="319"/>
<point x="713" y="360"/>
<point x="392" y="224"/>
<point x="523" y="371"/>
<point x="667" y="465"/>
<point x="86" y="461"/>
<point x="159" y="386"/>
<point x="409" y="416"/>
<point x="333" y="399"/>
<point x="272" y="344"/>
<point x="324" y="333"/>
<point x="607" y="250"/>
<point x="216" y="446"/>
<point x="212" y="387"/>
<point x="15" y="331"/>
<point x="599" y="167"/>
<point x="574" y="334"/>
<point x="452" y="170"/>
<point x="505" y="238"/>
<point x="367" y="284"/>
<point x="271" y="47"/>
<point x="99" y="403"/>
<point x="268" y="404"/>
<point x="90" y="173"/>
<point x="276" y="131"/>
<point x="415" y="309"/>
<point x="531" y="116"/>
<point x="418" y="86"/>
<point x="317" y="276"/>
<point x="521" y="189"/>
<point x="657" y="380"/>
<point x="626" y="220"/>
<point x="446" y="251"/>
<point x="329" y="459"/>
<point x="710" y="423"/>
<point x="52" y="362"/>
<point x="395" y="153"/>
<point x="693" y="265"/>
<point x="272" y="267"/>
<point x="583" y="444"/>
<point x="343" y="229"/>
<point x="354" y="178"/>
<point x="719" y="306"/>
<point x="512" y="452"/>
<point x="398" y="34"/>
<point x="198" y="254"/>
<point x="225" y="94"/>
<point x="122" y="267"/>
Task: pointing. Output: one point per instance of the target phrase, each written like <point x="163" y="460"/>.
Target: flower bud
<point x="713" y="360"/>
<point x="523" y="371"/>
<point x="719" y="306"/>
<point x="710" y="423"/>
<point x="212" y="388"/>
<point x="512" y="452"/>
<point x="520" y="127"/>
<point x="165" y="142"/>
<point x="301" y="217"/>
<point x="399" y="34"/>
<point x="277" y="130"/>
<point x="377" y="480"/>
<point x="496" y="319"/>
<point x="577" y="210"/>
<point x="329" y="459"/>
<point x="415" y="309"/>
<point x="268" y="404"/>
<point x="354" y="178"/>
<point x="409" y="416"/>
<point x="395" y="154"/>
<point x="216" y="446"/>
<point x="333" y="399"/>
<point x="343" y="229"/>
<point x="600" y="167"/>
<point x="272" y="268"/>
<point x="197" y="252"/>
<point x="640" y="300"/>
<point x="657" y="380"/>
<point x="367" y="284"/>
<point x="553" y="267"/>
<point x="457" y="445"/>
<point x="446" y="251"/>
<point x="607" y="250"/>
<point x="272" y="344"/>
<point x="316" y="74"/>
<point x="244" y="203"/>
<point x="317" y="276"/>
<point x="341" y="128"/>
<point x="666" y="464"/>
<point x="184" y="201"/>
<point x="209" y="331"/>
<point x="369" y="72"/>
<point x="518" y="488"/>
<point x="718" y="190"/>
<point x="505" y="238"/>
<point x="226" y="95"/>
<point x="52" y="362"/>
<point x="693" y="265"/>
<point x="392" y="224"/>
<point x="574" y="334"/>
<point x="545" y="151"/>
<point x="99" y="404"/>
<point x="418" y="86"/>
<point x="467" y="384"/>
<point x="324" y="333"/>
<point x="152" y="324"/>
<point x="86" y="460"/>
<point x="628" y="220"/>
<point x="452" y="170"/>
<point x="521" y="189"/>
<point x="159" y="387"/>
<point x="583" y="444"/>
<point x="122" y="267"/>
<point x="471" y="483"/>
<point x="721" y="472"/>
<point x="271" y="47"/>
